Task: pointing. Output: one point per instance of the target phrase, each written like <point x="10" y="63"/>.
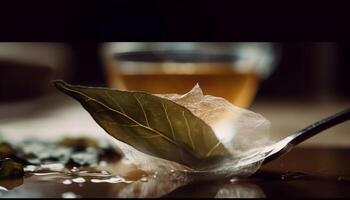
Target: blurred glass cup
<point x="229" y="70"/>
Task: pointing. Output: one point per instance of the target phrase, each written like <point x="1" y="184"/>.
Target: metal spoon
<point x="265" y="154"/>
<point x="286" y="144"/>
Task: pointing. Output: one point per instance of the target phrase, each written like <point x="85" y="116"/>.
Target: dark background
<point x="173" y="20"/>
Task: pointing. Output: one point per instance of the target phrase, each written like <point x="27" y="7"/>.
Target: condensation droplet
<point x="117" y="179"/>
<point x="233" y="180"/>
<point x="69" y="195"/>
<point x="46" y="173"/>
<point x="74" y="169"/>
<point x="155" y="175"/>
<point x="67" y="182"/>
<point x="79" y="180"/>
<point x="110" y="180"/>
<point x="104" y="172"/>
<point x="144" y="179"/>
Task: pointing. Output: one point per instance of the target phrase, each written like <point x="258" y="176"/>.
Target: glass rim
<point x="258" y="56"/>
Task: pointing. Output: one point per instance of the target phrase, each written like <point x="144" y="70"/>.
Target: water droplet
<point x="69" y="195"/>
<point x="110" y="180"/>
<point x="116" y="179"/>
<point x="79" y="180"/>
<point x="74" y="169"/>
<point x="155" y="175"/>
<point x="104" y="172"/>
<point x="94" y="174"/>
<point x="233" y="180"/>
<point x="46" y="173"/>
<point x="144" y="179"/>
<point x="94" y="180"/>
<point x="67" y="182"/>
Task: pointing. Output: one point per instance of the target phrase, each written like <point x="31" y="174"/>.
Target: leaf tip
<point x="60" y="84"/>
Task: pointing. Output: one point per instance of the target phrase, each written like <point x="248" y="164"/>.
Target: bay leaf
<point x="151" y="124"/>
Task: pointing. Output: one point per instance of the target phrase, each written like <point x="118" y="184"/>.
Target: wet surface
<point x="303" y="172"/>
<point x="93" y="181"/>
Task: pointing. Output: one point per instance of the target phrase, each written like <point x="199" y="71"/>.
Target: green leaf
<point x="151" y="124"/>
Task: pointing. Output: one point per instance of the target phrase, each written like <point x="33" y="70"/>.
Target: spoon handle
<point x="321" y="125"/>
<point x="308" y="132"/>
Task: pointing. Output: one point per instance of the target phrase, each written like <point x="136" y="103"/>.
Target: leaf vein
<point x="123" y="114"/>
<point x="128" y="125"/>
<point x="115" y="102"/>
<point x="212" y="149"/>
<point x="167" y="117"/>
<point x="144" y="113"/>
<point x="152" y="136"/>
<point x="188" y="130"/>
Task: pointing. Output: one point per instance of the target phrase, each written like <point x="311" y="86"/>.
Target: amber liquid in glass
<point x="215" y="79"/>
